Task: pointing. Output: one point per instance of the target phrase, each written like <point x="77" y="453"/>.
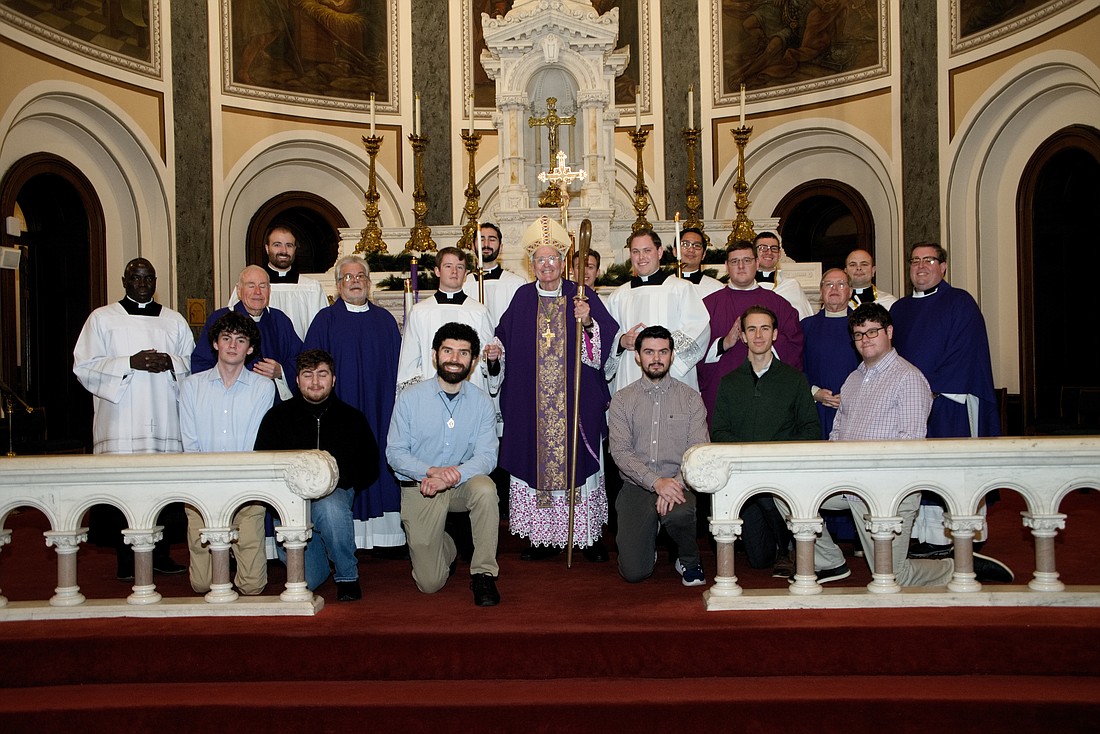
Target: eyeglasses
<point x="548" y="260"/>
<point x="858" y="336"/>
<point x="928" y="260"/>
<point x="746" y="261"/>
<point x="835" y="284"/>
<point x="768" y="248"/>
<point x="686" y="245"/>
<point x="356" y="278"/>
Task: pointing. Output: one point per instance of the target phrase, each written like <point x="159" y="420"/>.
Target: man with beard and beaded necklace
<point x="442" y="444"/>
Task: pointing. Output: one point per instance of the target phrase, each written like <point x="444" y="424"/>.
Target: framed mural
<point x="977" y="22"/>
<point x="124" y="33"/>
<point x="322" y="53"/>
<point x="785" y="47"/>
<point x="634" y="31"/>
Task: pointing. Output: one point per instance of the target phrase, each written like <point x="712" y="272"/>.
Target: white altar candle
<point x="677" y="236"/>
<point x="691" y="107"/>
<point x="637" y="108"/>
<point x="480" y="260"/>
<point x="742" y="105"/>
<point x="471" y="114"/>
<point x="372" y="114"/>
<point x="416" y="116"/>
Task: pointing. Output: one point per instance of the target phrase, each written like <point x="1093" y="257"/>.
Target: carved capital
<point x="959" y="524"/>
<point x="143" y="539"/>
<point x="218" y="537"/>
<point x="312" y="475"/>
<point x="1044" y="522"/>
<point x="66" y="541"/>
<point x="292" y="536"/>
<point x="882" y="525"/>
<point x="805" y="527"/>
<point x="726" y="531"/>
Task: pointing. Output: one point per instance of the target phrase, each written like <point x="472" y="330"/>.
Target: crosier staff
<point x="584" y="242"/>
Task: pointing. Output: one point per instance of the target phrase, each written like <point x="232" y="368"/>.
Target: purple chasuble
<point x="944" y="336"/>
<point x="829" y="358"/>
<point x="522" y="394"/>
<point x="725" y="307"/>
<point x="365" y="348"/>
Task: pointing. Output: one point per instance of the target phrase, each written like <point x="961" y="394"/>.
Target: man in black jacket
<point x="317" y="419"/>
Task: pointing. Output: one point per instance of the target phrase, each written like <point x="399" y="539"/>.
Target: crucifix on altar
<point x="551" y="198"/>
<point x="559" y="178"/>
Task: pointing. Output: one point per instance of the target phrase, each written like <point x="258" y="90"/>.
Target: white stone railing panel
<point x="961" y="471"/>
<point x="63" y="488"/>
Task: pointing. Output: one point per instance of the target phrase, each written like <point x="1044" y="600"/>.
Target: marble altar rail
<point x="962" y="471"/>
<point x="140" y="485"/>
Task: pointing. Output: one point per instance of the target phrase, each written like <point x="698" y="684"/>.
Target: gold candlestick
<point x="641" y="191"/>
<point x="691" y="188"/>
<point x="370" y="239"/>
<point x="420" y="236"/>
<point x="468" y="240"/>
<point x="742" y="225"/>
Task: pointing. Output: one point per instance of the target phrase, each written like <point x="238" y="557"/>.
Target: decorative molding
<point x="960" y="44"/>
<point x="151" y="68"/>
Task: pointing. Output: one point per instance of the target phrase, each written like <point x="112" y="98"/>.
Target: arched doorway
<point x="822" y="221"/>
<point x="43" y="305"/>
<point x="315" y="222"/>
<point x="1059" y="191"/>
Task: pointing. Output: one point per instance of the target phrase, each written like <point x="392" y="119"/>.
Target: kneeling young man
<point x="442" y="444"/>
<point x="652" y="422"/>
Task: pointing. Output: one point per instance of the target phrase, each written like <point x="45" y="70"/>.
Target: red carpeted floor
<point x="567" y="649"/>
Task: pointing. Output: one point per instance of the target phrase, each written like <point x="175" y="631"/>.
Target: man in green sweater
<point x="767" y="400"/>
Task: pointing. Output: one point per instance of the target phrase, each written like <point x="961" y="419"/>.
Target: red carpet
<point x="568" y="648"/>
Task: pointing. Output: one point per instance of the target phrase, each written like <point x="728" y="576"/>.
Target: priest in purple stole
<point x="364" y="342"/>
<point x="537" y="335"/>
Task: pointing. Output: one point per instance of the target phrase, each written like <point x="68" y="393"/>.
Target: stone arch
<point x="289" y="162"/>
<point x="988" y="157"/>
<point x="123" y="166"/>
<point x="794" y="154"/>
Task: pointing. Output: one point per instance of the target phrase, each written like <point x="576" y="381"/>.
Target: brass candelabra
<point x="742" y="225"/>
<point x="691" y="188"/>
<point x="641" y="191"/>
<point x="370" y="239"/>
<point x="468" y="240"/>
<point x="420" y="236"/>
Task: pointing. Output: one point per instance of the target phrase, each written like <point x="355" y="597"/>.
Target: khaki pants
<point x="248" y="550"/>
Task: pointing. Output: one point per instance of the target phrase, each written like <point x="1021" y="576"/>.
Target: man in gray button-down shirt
<point x="652" y="422"/>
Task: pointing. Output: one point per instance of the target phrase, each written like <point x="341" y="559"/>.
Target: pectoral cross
<point x="551" y="120"/>
<point x="547" y="334"/>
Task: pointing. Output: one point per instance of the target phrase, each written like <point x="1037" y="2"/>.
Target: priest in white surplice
<point x="449" y="304"/>
<point x="693" y="248"/>
<point x="654" y="297"/>
<point x="130" y="356"/>
<point x="500" y="284"/>
<point x="768" y="250"/>
<point x="298" y="296"/>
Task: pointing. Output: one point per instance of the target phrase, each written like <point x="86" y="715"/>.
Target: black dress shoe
<point x="167" y="566"/>
<point x="485" y="590"/>
<point x="596" y="553"/>
<point x="348" y="591"/>
<point x="539" y="553"/>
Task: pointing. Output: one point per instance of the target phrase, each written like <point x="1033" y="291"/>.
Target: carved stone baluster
<point x="5" y="538"/>
<point x="67" y="543"/>
<point x="883" y="530"/>
<point x="221" y="588"/>
<point x="725" y="533"/>
<point x="805" y="532"/>
<point x="143" y="541"/>
<point x="294" y="542"/>
<point x="963" y="529"/>
<point x="1044" y="528"/>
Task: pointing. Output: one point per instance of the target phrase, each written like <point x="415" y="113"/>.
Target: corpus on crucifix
<point x="551" y="121"/>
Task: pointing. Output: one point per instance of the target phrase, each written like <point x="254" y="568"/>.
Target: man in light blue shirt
<point x="442" y="444"/>
<point x="221" y="410"/>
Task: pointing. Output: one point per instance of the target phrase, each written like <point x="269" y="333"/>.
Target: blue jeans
<point x="333" y="539"/>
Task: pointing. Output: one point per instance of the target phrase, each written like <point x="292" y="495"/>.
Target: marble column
<point x="920" y="131"/>
<point x="192" y="134"/>
<point x="963" y="529"/>
<point x="67" y="543"/>
<point x="143" y="542"/>
<point x="680" y="61"/>
<point x="805" y="532"/>
<point x="221" y="587"/>
<point x="431" y="79"/>
<point x="883" y="530"/>
<point x="1044" y="528"/>
<point x="725" y="534"/>
<point x="5" y="538"/>
<point x="294" y="542"/>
